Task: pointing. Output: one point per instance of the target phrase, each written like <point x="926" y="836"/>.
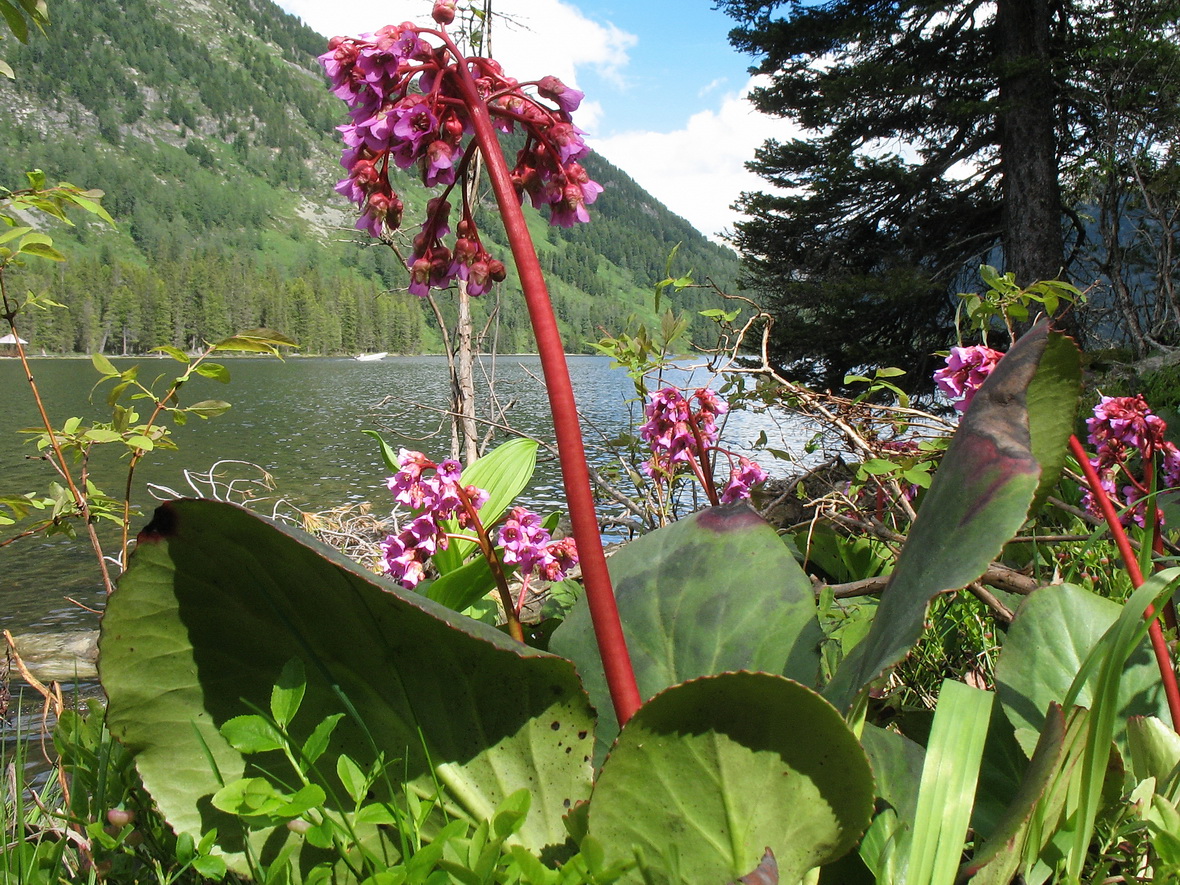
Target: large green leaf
<point x="978" y="500"/>
<point x="716" y="591"/>
<point x="217" y="600"/>
<point x="710" y="773"/>
<point x="503" y="473"/>
<point x="1054" y="631"/>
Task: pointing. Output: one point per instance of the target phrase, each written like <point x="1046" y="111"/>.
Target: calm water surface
<point x="300" y="420"/>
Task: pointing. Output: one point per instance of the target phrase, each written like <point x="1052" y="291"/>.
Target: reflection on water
<point x="301" y="420"/>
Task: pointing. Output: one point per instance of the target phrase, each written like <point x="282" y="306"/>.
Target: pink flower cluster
<point x="742" y="477"/>
<point x="529" y="546"/>
<point x="434" y="497"/>
<point x="1123" y="428"/>
<point x="682" y="430"/>
<point x="674" y="426"/>
<point x="406" y="107"/>
<point x="966" y="370"/>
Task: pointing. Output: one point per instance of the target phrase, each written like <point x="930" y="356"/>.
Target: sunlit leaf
<point x="710" y="773"/>
<point x="216" y="601"/>
<point x="216" y="371"/>
<point x="209" y="408"/>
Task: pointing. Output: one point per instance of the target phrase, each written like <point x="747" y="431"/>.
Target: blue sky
<point x="664" y="89"/>
<point x="680" y="59"/>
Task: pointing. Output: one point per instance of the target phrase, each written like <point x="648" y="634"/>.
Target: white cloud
<point x="532" y="38"/>
<point x="698" y="171"/>
<point x="715" y="83"/>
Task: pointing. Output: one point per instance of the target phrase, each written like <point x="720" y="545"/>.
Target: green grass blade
<point x="1110" y="655"/>
<point x="949" y="778"/>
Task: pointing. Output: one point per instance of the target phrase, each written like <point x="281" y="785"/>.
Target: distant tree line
<point x="119" y="307"/>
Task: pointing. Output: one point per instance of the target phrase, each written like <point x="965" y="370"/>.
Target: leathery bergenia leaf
<point x="716" y="591"/>
<point x="712" y="772"/>
<point x="980" y="497"/>
<point x="217" y="600"/>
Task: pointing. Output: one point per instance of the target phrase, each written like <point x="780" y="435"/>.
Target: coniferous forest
<point x="211" y="132"/>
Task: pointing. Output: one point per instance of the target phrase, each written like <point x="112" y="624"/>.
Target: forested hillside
<point x="211" y="130"/>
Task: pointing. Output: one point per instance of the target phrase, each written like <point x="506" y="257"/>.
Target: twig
<point x="80" y="500"/>
<point x="1001" y="611"/>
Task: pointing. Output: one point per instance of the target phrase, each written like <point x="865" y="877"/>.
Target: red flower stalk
<point x="457" y="95"/>
<point x="1163" y="656"/>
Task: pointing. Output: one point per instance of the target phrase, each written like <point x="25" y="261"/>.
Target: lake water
<point x="302" y="421"/>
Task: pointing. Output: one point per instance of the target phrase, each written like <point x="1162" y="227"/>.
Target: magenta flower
<point x="566" y="97"/>
<point x="523" y="539"/>
<point x="438" y="164"/>
<point x="1123" y="430"/>
<point x="434" y="492"/>
<point x="527" y="545"/>
<point x="683" y="430"/>
<point x="669" y="427"/>
<point x="571" y="208"/>
<point x="414" y="124"/>
<point x="402" y="97"/>
<point x="381" y="210"/>
<point x="568" y="139"/>
<point x="576" y="175"/>
<point x="1126" y="421"/>
<point x="966" y="370"/>
<point x="743" y="476"/>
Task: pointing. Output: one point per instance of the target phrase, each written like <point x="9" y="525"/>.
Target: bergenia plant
<point x="682" y="433"/>
<point x="435" y="493"/>
<point x="1122" y="429"/>
<point x="414" y="99"/>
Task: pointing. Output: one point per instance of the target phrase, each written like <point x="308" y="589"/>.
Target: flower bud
<point x="118" y="817"/>
<point x="453" y="129"/>
<point x="567" y="99"/>
<point x="444" y="11"/>
<point x="465" y="250"/>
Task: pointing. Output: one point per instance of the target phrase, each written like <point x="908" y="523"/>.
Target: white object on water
<point x="371" y="357"/>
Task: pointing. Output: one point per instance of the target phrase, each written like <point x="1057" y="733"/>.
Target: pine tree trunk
<point x="1033" y="241"/>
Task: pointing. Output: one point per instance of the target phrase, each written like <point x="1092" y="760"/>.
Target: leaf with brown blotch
<point x="766" y="873"/>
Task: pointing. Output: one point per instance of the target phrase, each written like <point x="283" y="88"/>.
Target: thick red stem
<point x="1163" y="657"/>
<point x="608" y="630"/>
